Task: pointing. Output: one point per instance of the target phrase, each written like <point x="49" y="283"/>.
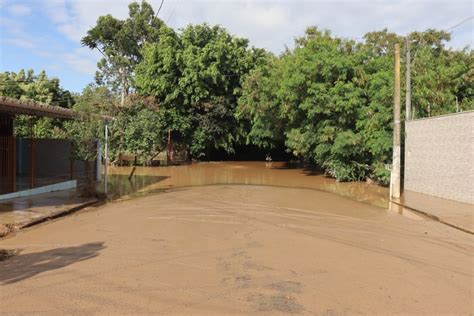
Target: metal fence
<point x="7" y="164"/>
<point x="27" y="163"/>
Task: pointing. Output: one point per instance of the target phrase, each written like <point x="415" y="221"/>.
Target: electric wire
<point x="450" y="29"/>
<point x="159" y="9"/>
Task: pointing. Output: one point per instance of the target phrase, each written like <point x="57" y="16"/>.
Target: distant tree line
<point x="328" y="100"/>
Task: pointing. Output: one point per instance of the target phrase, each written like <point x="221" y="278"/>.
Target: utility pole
<point x="395" y="176"/>
<point x="408" y="115"/>
<point x="106" y="154"/>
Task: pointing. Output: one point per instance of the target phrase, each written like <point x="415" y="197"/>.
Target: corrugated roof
<point x="17" y="107"/>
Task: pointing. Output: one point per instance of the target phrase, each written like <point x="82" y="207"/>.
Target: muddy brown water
<point x="277" y="245"/>
<point x="238" y="250"/>
<point x="148" y="180"/>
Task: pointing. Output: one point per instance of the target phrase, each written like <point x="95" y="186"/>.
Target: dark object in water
<point x="131" y="173"/>
<point x="8" y="253"/>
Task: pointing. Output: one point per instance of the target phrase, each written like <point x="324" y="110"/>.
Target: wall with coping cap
<point x="439" y="156"/>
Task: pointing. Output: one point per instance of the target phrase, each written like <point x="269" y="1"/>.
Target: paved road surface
<point x="221" y="250"/>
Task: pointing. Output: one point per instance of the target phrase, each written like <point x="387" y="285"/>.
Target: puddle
<point x="147" y="180"/>
<point x="120" y="186"/>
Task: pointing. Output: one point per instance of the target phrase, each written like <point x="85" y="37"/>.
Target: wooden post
<point x="408" y="115"/>
<point x="395" y="177"/>
<point x="169" y="148"/>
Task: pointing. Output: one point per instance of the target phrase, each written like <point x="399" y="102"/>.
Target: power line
<point x="449" y="30"/>
<point x="171" y="12"/>
<point x="159" y="9"/>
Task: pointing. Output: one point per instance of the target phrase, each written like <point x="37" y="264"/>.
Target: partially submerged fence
<point x="31" y="163"/>
<point x="7" y="164"/>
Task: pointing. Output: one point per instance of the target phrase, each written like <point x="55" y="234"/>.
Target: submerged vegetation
<point x="328" y="100"/>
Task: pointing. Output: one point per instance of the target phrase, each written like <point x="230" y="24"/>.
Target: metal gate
<point x="7" y="164"/>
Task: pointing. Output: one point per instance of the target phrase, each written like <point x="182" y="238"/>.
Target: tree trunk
<point x="122" y="78"/>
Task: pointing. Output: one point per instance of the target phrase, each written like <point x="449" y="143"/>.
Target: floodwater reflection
<point x="152" y="179"/>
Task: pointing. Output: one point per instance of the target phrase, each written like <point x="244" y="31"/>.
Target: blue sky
<point x="45" y="34"/>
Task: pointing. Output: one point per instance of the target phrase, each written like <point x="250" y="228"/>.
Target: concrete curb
<point x="433" y="217"/>
<point x="8" y="229"/>
<point x="66" y="185"/>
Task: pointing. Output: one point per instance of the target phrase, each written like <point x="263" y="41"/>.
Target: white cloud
<point x="19" y="9"/>
<point x="74" y="18"/>
<point x="57" y="11"/>
<point x="274" y="24"/>
<point x="20" y="42"/>
<point x="15" y="33"/>
<point x="81" y="60"/>
<point x="43" y="53"/>
<point x="271" y="24"/>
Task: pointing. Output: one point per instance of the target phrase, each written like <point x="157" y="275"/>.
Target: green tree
<point x="94" y="105"/>
<point x="120" y="42"/>
<point x="196" y="77"/>
<point x="25" y="85"/>
<point x="312" y="97"/>
<point x="331" y="99"/>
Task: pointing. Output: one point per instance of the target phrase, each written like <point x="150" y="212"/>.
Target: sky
<point x="46" y="34"/>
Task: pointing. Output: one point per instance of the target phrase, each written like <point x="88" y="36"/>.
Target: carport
<point x="29" y="165"/>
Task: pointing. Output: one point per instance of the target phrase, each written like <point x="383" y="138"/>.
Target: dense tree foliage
<point x="25" y="85"/>
<point x="120" y="43"/>
<point x="331" y="99"/>
<point x="328" y="100"/>
<point x="135" y="128"/>
<point x="195" y="75"/>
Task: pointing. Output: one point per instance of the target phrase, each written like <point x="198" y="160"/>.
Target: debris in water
<point x="8" y="253"/>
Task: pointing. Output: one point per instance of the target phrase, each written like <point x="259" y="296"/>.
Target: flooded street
<point x="237" y="238"/>
<point x="238" y="250"/>
<point x="280" y="174"/>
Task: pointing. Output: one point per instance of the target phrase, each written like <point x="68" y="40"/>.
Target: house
<point x="31" y="166"/>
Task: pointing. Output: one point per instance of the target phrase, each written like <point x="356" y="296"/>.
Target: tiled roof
<point x="17" y="107"/>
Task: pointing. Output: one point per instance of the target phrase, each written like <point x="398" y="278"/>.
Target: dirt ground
<point x="234" y="249"/>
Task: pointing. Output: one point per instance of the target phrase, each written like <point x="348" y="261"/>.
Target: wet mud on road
<point x="236" y="249"/>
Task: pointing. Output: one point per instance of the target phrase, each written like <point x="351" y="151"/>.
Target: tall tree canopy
<point x="196" y="77"/>
<point x="120" y="42"/>
<point x="26" y="85"/>
<point x="328" y="100"/>
<point x="331" y="99"/>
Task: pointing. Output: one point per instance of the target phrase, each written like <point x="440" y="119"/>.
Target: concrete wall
<point x="66" y="185"/>
<point x="439" y="156"/>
